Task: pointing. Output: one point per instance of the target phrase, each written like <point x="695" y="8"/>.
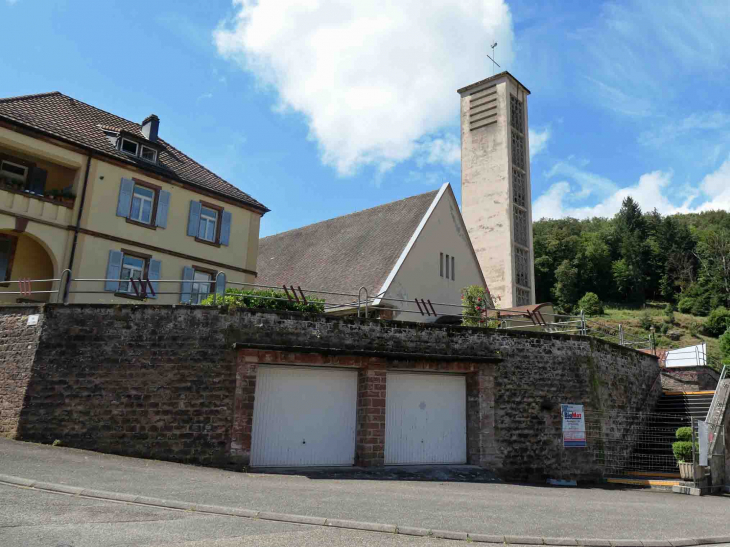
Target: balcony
<point x="36" y="188"/>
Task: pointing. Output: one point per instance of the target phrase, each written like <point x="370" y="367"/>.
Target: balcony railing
<point x="47" y="207"/>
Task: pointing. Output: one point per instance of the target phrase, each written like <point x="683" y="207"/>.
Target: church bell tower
<point x="495" y="186"/>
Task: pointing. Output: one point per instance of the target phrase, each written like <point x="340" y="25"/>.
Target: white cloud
<point x="695" y="122"/>
<point x="538" y="141"/>
<point x="371" y="78"/>
<point x="205" y="96"/>
<point x="445" y="149"/>
<point x="653" y="191"/>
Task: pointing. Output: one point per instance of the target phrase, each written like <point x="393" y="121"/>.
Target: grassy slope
<point x="629" y="318"/>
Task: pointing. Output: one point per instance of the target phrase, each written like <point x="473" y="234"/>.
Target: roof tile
<point x="344" y="253"/>
<point x="62" y="116"/>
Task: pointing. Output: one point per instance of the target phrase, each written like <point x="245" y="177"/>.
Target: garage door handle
<point x="304" y="442"/>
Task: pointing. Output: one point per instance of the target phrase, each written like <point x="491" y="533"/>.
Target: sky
<point x="318" y="108"/>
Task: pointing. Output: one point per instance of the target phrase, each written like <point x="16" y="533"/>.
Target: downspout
<point x="76" y="230"/>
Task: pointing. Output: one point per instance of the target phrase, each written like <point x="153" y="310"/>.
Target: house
<point x="108" y="199"/>
<point x="414" y="248"/>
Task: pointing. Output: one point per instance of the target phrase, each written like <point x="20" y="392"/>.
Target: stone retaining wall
<point x="165" y="382"/>
<point x="689" y="379"/>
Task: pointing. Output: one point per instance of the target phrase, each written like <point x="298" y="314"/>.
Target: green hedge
<point x="268" y="299"/>
<point x="684" y="434"/>
<point x="682" y="451"/>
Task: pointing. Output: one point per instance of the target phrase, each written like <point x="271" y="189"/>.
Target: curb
<point x="353" y="524"/>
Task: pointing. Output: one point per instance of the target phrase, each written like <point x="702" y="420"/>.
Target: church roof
<point x="344" y="253"/>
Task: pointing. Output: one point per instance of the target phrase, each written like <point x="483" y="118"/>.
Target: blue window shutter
<point x="163" y="206"/>
<point x="114" y="270"/>
<point x="5" y="246"/>
<point x="187" y="284"/>
<point x="126" y="189"/>
<point x="220" y="285"/>
<point x="153" y="273"/>
<point x="225" y="227"/>
<point x="194" y="218"/>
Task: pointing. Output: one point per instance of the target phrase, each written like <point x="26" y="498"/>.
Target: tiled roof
<point x="344" y="253"/>
<point x="64" y="117"/>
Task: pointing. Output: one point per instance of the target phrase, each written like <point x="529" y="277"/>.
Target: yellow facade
<point x="43" y="230"/>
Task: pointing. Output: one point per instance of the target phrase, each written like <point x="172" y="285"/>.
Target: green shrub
<point x="684" y="434"/>
<point x="591" y="304"/>
<point x="694" y="328"/>
<point x="476" y="302"/>
<point x="268" y="299"/>
<point x="664" y="328"/>
<point x="701" y="306"/>
<point x="645" y="320"/>
<point x="725" y="345"/>
<point x="718" y="322"/>
<point x="669" y="314"/>
<point x="686" y="304"/>
<point x="682" y="451"/>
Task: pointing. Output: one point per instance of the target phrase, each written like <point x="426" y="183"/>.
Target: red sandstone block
<point x="378" y="403"/>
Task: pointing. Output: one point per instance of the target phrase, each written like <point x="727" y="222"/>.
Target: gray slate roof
<point x="344" y="253"/>
<point x="64" y="117"/>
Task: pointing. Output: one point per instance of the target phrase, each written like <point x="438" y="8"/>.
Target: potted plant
<point x="67" y="195"/>
<point x="684" y="453"/>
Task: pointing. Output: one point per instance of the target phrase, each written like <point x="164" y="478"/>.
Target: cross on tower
<point x="492" y="58"/>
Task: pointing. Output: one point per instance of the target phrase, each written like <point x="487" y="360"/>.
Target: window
<point x="143" y="201"/>
<point x="453" y="270"/>
<point x="14" y="171"/>
<point x="148" y="153"/>
<point x="202" y="286"/>
<point x="441" y="264"/>
<point x="208" y="223"/>
<point x="132" y="268"/>
<point x="130" y="147"/>
<point x="522" y="267"/>
<point x="447" y="266"/>
<point x="125" y="265"/>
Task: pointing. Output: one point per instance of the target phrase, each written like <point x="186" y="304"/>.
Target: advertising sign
<point x="574" y="426"/>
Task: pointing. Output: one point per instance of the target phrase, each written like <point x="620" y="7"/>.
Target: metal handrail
<point x="713" y="404"/>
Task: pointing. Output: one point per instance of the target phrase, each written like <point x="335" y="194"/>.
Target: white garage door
<point x="304" y="416"/>
<point x="425" y="418"/>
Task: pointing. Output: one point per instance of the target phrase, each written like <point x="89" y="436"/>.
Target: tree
<point x="565" y="291"/>
<point x="591" y="304"/>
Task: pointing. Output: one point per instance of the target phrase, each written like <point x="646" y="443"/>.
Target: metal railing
<point x="362" y="303"/>
<point x="715" y="398"/>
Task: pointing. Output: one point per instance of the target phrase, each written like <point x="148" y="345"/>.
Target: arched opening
<point x="24" y="257"/>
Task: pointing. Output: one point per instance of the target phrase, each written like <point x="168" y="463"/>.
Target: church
<point x="412" y="257"/>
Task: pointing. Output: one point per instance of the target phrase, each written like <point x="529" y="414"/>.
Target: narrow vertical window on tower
<point x="441" y="264"/>
<point x="522" y="267"/>
<point x="519" y="192"/>
<point x="520" y="203"/>
<point x="447" y="266"/>
<point x="517" y="114"/>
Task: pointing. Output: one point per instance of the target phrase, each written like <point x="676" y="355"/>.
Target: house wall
<point x="418" y="276"/>
<point x="164" y="382"/>
<point x="102" y="231"/>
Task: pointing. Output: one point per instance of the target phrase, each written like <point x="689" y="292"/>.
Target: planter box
<point x="686" y="471"/>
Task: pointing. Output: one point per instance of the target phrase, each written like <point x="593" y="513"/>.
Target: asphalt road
<point x="503" y="509"/>
<point x="42" y="519"/>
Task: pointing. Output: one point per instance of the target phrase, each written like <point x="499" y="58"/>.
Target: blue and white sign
<point x="574" y="426"/>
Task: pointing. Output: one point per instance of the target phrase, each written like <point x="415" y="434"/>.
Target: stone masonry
<point x="689" y="379"/>
<point x="179" y="383"/>
<point x="18" y="343"/>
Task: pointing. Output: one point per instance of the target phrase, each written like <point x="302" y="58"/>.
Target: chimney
<point x="150" y="127"/>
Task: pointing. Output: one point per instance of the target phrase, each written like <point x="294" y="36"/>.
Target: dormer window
<point x="130" y="147"/>
<point x="148" y="154"/>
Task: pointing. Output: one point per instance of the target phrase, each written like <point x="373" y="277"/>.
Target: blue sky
<point x="318" y="108"/>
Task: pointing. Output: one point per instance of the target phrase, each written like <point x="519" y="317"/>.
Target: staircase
<point x="652" y="462"/>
